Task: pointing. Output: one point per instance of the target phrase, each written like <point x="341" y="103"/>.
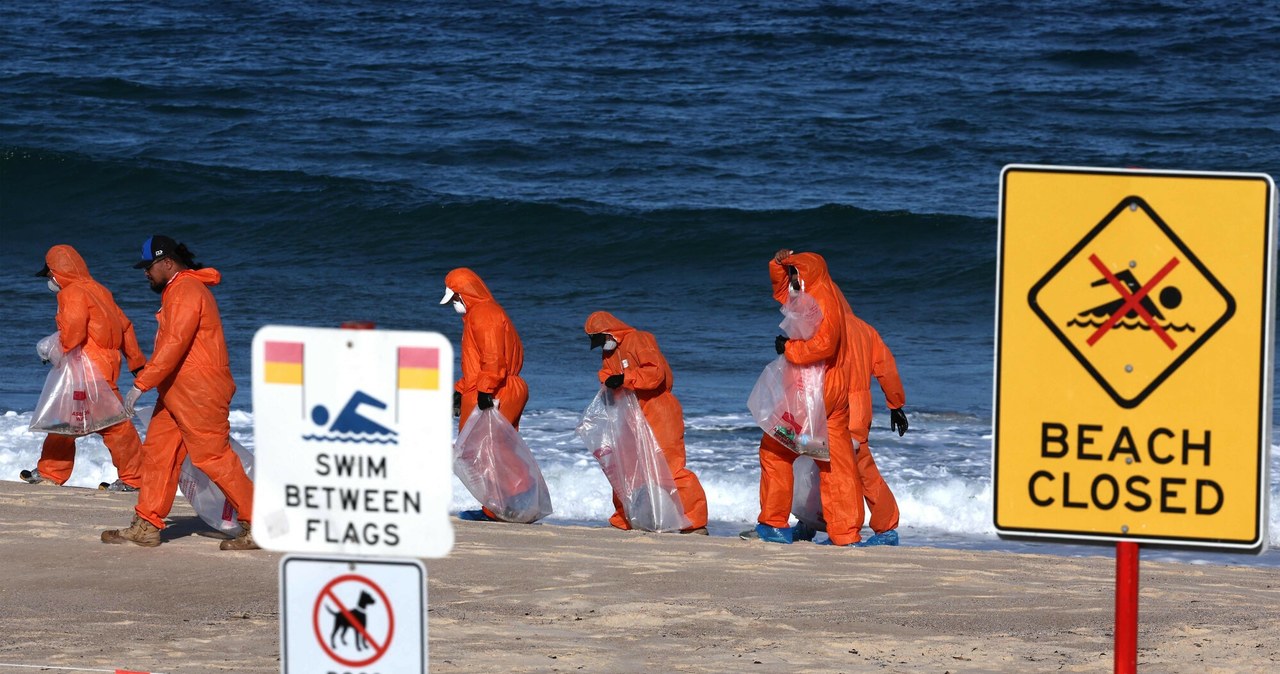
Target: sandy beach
<point x="515" y="598"/>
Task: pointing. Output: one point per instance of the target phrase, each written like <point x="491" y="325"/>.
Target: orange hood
<point x="811" y="269"/>
<point x="603" y="321"/>
<point x="467" y="284"/>
<point x="66" y="266"/>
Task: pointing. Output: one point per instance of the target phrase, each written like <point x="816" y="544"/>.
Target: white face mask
<point x="53" y="285"/>
<point x="459" y="307"/>
<point x="610" y="345"/>
<point x="794" y="290"/>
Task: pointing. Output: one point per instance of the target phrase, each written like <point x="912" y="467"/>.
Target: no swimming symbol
<point x="1131" y="334"/>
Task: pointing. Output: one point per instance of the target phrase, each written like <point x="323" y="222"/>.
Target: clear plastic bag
<point x="207" y="499"/>
<point x="76" y="399"/>
<point x="495" y="465"/>
<point x="806" y="498"/>
<point x="50" y="348"/>
<point x="617" y="434"/>
<point x="787" y="401"/>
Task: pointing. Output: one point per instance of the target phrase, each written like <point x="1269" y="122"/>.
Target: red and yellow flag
<point x="284" y="363"/>
<point x="418" y="368"/>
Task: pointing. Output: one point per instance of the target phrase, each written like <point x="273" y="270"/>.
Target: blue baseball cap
<point x="156" y="247"/>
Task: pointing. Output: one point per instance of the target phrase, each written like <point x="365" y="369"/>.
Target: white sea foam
<point x="940" y="473"/>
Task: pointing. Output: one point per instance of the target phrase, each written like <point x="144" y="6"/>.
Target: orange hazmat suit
<point x="492" y="357"/>
<point x="867" y="356"/>
<point x="88" y="317"/>
<point x="838" y="482"/>
<point x="645" y="370"/>
<point x="492" y="353"/>
<point x="872" y="358"/>
<point x="192" y="376"/>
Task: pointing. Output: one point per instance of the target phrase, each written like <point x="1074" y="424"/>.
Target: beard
<point x="158" y="287"/>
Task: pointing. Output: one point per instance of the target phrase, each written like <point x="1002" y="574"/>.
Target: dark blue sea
<point x="335" y="159"/>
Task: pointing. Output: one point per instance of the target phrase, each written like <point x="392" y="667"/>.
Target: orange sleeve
<point x="491" y="341"/>
<point x="826" y="340"/>
<point x="778" y="277"/>
<point x="648" y="368"/>
<point x="885" y="370"/>
<point x="129" y="343"/>
<point x="179" y="318"/>
<point x="73" y="318"/>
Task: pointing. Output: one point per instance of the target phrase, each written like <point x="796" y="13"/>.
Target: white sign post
<point x="353" y="458"/>
<point x="354" y="452"/>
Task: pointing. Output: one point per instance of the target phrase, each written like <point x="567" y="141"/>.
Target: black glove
<point x="484" y="400"/>
<point x="898" y="421"/>
<point x="780" y="344"/>
<point x="614" y="381"/>
<point x="457" y="404"/>
<point x="135" y="372"/>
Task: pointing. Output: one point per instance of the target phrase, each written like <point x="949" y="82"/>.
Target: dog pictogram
<point x="342" y="624"/>
<point x="353" y="603"/>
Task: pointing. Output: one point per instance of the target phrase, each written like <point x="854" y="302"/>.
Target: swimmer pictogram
<point x="1131" y="302"/>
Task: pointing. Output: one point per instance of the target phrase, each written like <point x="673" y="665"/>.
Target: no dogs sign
<point x="352" y="615"/>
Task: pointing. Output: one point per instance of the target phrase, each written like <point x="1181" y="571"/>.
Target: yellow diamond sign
<point x="1131" y="301"/>
<point x="1134" y="322"/>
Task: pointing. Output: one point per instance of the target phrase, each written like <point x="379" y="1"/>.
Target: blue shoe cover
<point x="773" y="534"/>
<point x="889" y="537"/>
<point x="827" y="541"/>
<point x="474" y="516"/>
<point x="803" y="532"/>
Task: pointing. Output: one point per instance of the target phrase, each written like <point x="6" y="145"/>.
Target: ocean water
<point x="334" y="160"/>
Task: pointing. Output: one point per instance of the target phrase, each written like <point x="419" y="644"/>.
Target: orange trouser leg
<point x="162" y="455"/>
<point x="126" y="451"/>
<point x="57" y="457"/>
<point x="512" y="398"/>
<point x="692" y="497"/>
<point x="666" y="419"/>
<point x="776" y="483"/>
<point x="880" y="499"/>
<point x="171" y="437"/>
<point x="619" y="519"/>
<point x="208" y="442"/>
<point x="839" y="485"/>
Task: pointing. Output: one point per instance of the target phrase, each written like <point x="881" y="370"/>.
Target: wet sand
<point x="545" y="598"/>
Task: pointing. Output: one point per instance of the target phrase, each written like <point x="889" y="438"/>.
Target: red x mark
<point x="1132" y="302"/>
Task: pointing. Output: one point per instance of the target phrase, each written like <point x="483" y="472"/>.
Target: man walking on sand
<point x="190" y="371"/>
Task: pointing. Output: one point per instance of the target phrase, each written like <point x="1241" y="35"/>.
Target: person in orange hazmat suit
<point x="191" y="373"/>
<point x="88" y="317"/>
<point x="838" y="483"/>
<point x="872" y="358"/>
<point x="631" y="359"/>
<point x="867" y="357"/>
<point x="492" y="357"/>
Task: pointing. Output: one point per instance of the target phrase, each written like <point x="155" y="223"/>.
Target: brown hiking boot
<point x="140" y="531"/>
<point x="242" y="542"/>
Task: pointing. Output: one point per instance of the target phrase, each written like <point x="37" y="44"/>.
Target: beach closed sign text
<point x="353" y="445"/>
<point x="1134" y="355"/>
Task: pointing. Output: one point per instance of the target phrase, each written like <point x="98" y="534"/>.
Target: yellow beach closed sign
<point x="1134" y="314"/>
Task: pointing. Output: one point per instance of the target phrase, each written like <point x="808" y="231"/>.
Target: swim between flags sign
<point x="1134" y="322"/>
<point x="353" y="435"/>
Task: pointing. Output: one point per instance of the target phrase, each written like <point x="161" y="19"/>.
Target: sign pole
<point x="1126" y="607"/>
